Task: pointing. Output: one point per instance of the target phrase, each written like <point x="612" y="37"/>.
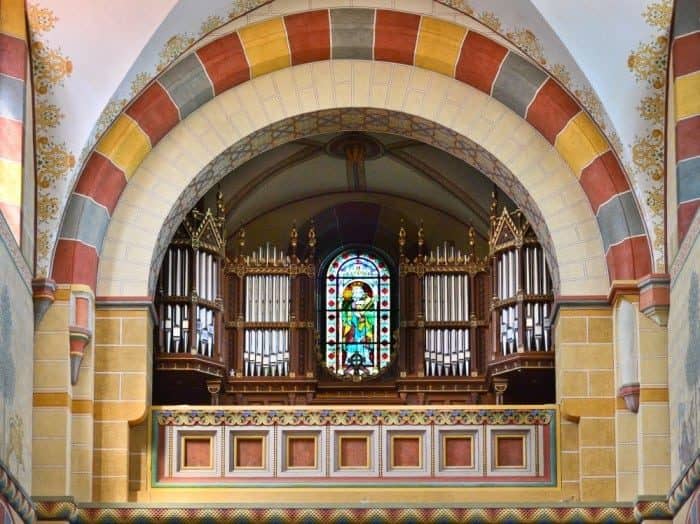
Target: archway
<point x="427" y="43"/>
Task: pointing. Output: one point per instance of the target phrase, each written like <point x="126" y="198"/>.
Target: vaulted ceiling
<point x="91" y="58"/>
<point x="405" y="181"/>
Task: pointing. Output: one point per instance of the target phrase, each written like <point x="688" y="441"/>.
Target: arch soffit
<point x="382" y="35"/>
<point x="256" y="116"/>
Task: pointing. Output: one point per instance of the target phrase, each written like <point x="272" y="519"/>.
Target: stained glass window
<point x="358" y="314"/>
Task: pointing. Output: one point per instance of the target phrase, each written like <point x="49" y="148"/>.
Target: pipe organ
<point x="269" y="319"/>
<point x="189" y="302"/>
<point x="270" y="326"/>
<point x="522" y="289"/>
<point x="442" y="324"/>
<point x="266" y="349"/>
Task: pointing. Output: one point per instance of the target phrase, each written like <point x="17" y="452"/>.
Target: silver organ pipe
<point x="266" y="347"/>
<point x="446" y="300"/>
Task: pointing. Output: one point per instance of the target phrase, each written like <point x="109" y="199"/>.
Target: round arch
<point x="434" y="48"/>
<point x="255" y="117"/>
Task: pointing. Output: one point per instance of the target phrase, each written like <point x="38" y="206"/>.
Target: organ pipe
<point x="187" y="298"/>
<point x="523" y="298"/>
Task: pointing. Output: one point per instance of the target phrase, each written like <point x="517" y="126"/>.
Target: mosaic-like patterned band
<point x="368" y="34"/>
<point x="13" y="75"/>
<point x="685" y="56"/>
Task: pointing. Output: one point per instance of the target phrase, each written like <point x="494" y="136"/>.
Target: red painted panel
<point x="630" y="259"/>
<point x="309" y="36"/>
<point x="395" y="36"/>
<point x="603" y="179"/>
<point x="354" y="452"/>
<point x="11" y="139"/>
<point x="551" y="110"/>
<point x="479" y="61"/>
<point x="155" y="112"/>
<point x="302" y="452"/>
<point x="458" y="452"/>
<point x="686" y="212"/>
<point x="75" y="263"/>
<point x="406" y="452"/>
<point x="225" y="62"/>
<point x="13" y="57"/>
<point x="249" y="453"/>
<point x="510" y="452"/>
<point x="197" y="452"/>
<point x="688" y="137"/>
<point x="102" y="181"/>
<point x="686" y="54"/>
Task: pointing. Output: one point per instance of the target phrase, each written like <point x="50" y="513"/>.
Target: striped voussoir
<point x="685" y="56"/>
<point x="374" y="34"/>
<point x="13" y="74"/>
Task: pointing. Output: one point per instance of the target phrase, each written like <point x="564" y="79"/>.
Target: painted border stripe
<point x="580" y="142"/>
<point x="85" y="220"/>
<point x="686" y="57"/>
<point x="309" y="36"/>
<point x="125" y="144"/>
<point x="687" y="95"/>
<point x="517" y="83"/>
<point x="12" y="19"/>
<point x="686" y="18"/>
<point x="75" y="263"/>
<point x="689" y="179"/>
<point x="629" y="260"/>
<point x="11" y="137"/>
<point x="187" y="84"/>
<point x="479" y="61"/>
<point x="395" y="36"/>
<point x="10" y="182"/>
<point x="686" y="214"/>
<point x="12" y="98"/>
<point x="225" y="62"/>
<point x="155" y="112"/>
<point x="13" y="57"/>
<point x="439" y="44"/>
<point x="688" y="138"/>
<point x="102" y="181"/>
<point x="603" y="179"/>
<point x="352" y="33"/>
<point x="266" y="46"/>
<point x="619" y="219"/>
<point x="551" y="109"/>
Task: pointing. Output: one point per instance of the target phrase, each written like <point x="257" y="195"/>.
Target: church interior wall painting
<point x="684" y="370"/>
<point x="16" y="378"/>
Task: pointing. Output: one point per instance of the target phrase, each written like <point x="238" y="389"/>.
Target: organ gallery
<point x="301" y="316"/>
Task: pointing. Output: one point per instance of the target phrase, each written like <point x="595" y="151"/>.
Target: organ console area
<point x="312" y="323"/>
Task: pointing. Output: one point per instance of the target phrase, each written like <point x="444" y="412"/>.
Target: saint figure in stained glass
<point x="359" y="321"/>
<point x="357" y="314"/>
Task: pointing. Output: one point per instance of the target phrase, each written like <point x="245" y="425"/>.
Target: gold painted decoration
<point x="648" y="62"/>
<point x="49" y="66"/>
<point x="648" y="154"/>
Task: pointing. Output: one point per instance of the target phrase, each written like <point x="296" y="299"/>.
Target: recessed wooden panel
<point x="301" y="452"/>
<point x="353" y="452"/>
<point x="457" y="451"/>
<point x="196" y="452"/>
<point x="510" y="451"/>
<point x="249" y="452"/>
<point x="406" y="452"/>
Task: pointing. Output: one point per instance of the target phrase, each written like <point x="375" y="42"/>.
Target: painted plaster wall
<point x="684" y="358"/>
<point x="16" y="364"/>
